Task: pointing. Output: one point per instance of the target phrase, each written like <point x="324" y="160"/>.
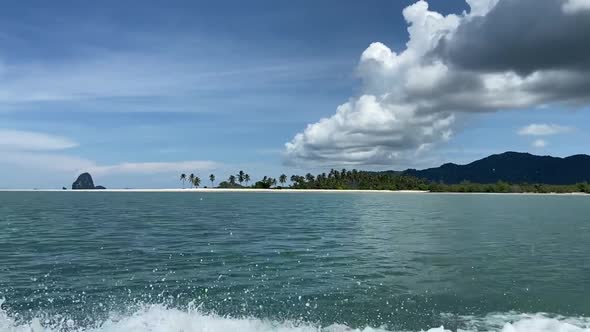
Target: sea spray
<point x="158" y="318"/>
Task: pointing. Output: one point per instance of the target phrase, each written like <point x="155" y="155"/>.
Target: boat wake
<point x="158" y="318"/>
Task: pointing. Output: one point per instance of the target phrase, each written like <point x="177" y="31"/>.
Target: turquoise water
<point x="293" y="262"/>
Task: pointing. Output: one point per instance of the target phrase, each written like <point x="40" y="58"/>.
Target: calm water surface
<point x="293" y="262"/>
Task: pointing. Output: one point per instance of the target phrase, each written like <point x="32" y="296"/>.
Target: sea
<point x="293" y="262"/>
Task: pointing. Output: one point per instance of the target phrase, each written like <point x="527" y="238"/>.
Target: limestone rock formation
<point x="84" y="181"/>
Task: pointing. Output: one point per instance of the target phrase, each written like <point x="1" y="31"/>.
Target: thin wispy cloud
<point x="544" y="129"/>
<point x="36" y="150"/>
<point x="71" y="164"/>
<point x="138" y="75"/>
<point x="50" y="162"/>
<point x="147" y="168"/>
<point x="27" y="140"/>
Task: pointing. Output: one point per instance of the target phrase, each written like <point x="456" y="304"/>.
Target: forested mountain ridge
<point x="511" y="167"/>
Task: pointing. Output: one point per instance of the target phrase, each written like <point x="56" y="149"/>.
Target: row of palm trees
<point x="334" y="178"/>
<point x="193" y="180"/>
<point x="241" y="177"/>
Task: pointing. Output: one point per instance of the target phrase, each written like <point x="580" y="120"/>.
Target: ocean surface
<point x="73" y="261"/>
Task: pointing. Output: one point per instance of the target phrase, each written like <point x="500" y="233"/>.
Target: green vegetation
<point x="353" y="179"/>
<point x="266" y="183"/>
<point x="504" y="187"/>
<point x="364" y="180"/>
<point x="229" y="185"/>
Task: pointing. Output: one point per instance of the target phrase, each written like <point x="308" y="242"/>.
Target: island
<point x="85" y="182"/>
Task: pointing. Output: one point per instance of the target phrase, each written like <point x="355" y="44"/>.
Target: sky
<point x="138" y="92"/>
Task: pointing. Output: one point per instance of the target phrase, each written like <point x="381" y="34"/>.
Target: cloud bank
<point x="502" y="55"/>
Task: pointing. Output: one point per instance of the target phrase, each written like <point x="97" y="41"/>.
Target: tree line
<point x="365" y="180"/>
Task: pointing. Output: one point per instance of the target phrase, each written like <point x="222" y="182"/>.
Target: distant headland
<point x="512" y="167"/>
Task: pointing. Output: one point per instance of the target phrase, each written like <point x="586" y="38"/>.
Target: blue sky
<point x="140" y="92"/>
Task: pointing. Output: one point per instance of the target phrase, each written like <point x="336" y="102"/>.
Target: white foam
<point x="157" y="318"/>
<point x="515" y="322"/>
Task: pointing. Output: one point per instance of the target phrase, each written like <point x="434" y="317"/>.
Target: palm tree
<point x="196" y="181"/>
<point x="273" y="182"/>
<point x="331" y="174"/>
<point x="247" y="178"/>
<point x="283" y="179"/>
<point x="191" y="179"/>
<point x="183" y="179"/>
<point x="232" y="179"/>
<point x="212" y="179"/>
<point x="336" y="174"/>
<point x="241" y="177"/>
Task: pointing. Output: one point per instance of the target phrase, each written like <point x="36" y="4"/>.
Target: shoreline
<point x="221" y="190"/>
<point x="255" y="190"/>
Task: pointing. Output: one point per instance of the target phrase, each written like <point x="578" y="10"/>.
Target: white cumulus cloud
<point x="543" y="129"/>
<point x="410" y="100"/>
<point x="381" y="125"/>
